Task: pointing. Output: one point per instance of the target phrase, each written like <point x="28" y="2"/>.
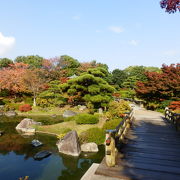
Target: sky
<point x="120" y="33"/>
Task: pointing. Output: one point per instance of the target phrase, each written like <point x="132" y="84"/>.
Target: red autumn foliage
<point x="174" y="105"/>
<point x="116" y="95"/>
<point x="25" y="108"/>
<point x="162" y="85"/>
<point x="64" y="79"/>
<point x="11" y="78"/>
<point x="171" y="6"/>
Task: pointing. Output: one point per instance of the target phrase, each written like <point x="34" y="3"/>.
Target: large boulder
<point x="10" y="113"/>
<point x="25" y="126"/>
<point x="69" y="144"/>
<point x="89" y="147"/>
<point x="69" y="113"/>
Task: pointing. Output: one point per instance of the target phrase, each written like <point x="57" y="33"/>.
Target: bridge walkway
<point x="151" y="150"/>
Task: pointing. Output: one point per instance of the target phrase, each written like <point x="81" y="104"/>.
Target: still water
<point x="16" y="157"/>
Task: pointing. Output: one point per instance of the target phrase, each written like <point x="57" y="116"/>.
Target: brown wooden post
<point x="110" y="150"/>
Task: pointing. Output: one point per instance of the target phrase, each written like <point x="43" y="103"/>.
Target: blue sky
<point x="115" y="32"/>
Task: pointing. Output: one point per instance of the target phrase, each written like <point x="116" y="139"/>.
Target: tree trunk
<point x="34" y="102"/>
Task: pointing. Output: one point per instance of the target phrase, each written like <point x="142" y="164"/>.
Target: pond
<point x="16" y="157"/>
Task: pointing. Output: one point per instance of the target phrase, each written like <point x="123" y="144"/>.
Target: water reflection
<point x="16" y="158"/>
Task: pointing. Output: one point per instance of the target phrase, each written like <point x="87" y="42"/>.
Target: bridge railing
<point x="114" y="135"/>
<point x="173" y="117"/>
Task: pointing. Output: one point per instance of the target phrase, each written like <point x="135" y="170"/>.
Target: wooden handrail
<point x="112" y="134"/>
<point x="173" y="117"/>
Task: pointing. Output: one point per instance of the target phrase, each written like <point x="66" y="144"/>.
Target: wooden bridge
<point x="150" y="150"/>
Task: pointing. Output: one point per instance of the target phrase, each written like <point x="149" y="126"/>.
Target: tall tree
<point x="11" y="78"/>
<point x="95" y="91"/>
<point x="34" y="81"/>
<point x="118" y="77"/>
<point x="171" y="6"/>
<point x="4" y="62"/>
<point x="33" y="61"/>
<point x="164" y="85"/>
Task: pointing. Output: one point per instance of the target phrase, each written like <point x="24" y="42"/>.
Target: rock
<point x="69" y="113"/>
<point x="24" y="126"/>
<point x="100" y="110"/>
<point x="1" y="106"/>
<point x="42" y="154"/>
<point x="27" y="131"/>
<point x="82" y="108"/>
<point x="54" y="115"/>
<point x="89" y="147"/>
<point x="1" y="133"/>
<point x="10" y="113"/>
<point x="69" y="144"/>
<point x="36" y="143"/>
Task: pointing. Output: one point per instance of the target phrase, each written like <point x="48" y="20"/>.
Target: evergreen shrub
<point x="95" y="135"/>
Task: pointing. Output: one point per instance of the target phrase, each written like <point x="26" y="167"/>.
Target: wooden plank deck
<point x="151" y="151"/>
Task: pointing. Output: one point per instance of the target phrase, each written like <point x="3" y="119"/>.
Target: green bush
<point x="69" y="119"/>
<point x="112" y="124"/>
<point x="86" y="119"/>
<point x="47" y="119"/>
<point x="116" y="109"/>
<point x="28" y="100"/>
<point x="95" y="135"/>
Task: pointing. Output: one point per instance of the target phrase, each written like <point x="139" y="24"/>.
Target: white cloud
<point x="133" y="42"/>
<point x="6" y="43"/>
<point x="116" y="29"/>
<point x="171" y="52"/>
<point x="76" y="18"/>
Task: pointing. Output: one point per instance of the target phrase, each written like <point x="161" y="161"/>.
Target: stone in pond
<point x="69" y="144"/>
<point x="69" y="113"/>
<point x="25" y="126"/>
<point x="89" y="147"/>
<point x="36" y="143"/>
<point x="42" y="154"/>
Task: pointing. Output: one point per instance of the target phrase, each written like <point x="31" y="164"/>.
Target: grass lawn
<point x="59" y="128"/>
<point x="49" y="111"/>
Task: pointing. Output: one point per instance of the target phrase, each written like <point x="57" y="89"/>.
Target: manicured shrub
<point x="112" y="124"/>
<point x="86" y="119"/>
<point x="93" y="135"/>
<point x="25" y="108"/>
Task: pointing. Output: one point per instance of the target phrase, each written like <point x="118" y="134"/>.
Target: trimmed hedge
<point x="112" y="124"/>
<point x="95" y="135"/>
<point x="85" y="118"/>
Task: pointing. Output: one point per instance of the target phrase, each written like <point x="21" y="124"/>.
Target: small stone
<point x="36" y="143"/>
<point x="89" y="147"/>
<point x="82" y="108"/>
<point x="10" y="113"/>
<point x="69" y="113"/>
<point x="54" y="115"/>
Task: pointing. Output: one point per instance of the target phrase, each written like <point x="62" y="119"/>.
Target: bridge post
<point x="110" y="150"/>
